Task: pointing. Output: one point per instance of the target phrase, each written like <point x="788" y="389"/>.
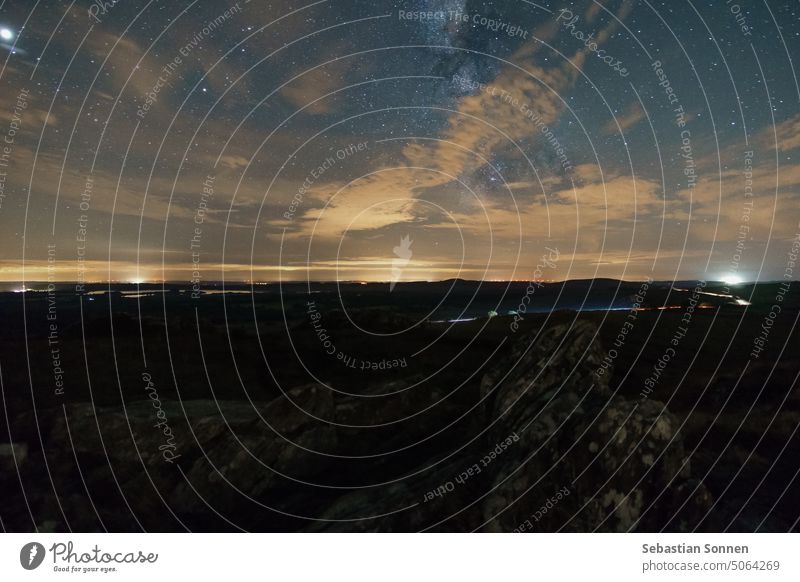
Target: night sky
<point x="148" y="141"/>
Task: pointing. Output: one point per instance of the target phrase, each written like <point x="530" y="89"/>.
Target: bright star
<point x="6" y="34"/>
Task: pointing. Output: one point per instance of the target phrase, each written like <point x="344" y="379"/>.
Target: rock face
<point x="613" y="458"/>
<point x="543" y="445"/>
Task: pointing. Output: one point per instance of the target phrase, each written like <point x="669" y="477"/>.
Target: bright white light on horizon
<point x="732" y="280"/>
<point x="6" y="34"/>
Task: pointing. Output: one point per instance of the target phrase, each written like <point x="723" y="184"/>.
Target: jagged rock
<point x="612" y="457"/>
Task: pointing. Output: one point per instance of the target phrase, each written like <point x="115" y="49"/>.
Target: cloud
<point x="632" y="115"/>
<point x="524" y="96"/>
<point x="316" y="83"/>
<point x="787" y="134"/>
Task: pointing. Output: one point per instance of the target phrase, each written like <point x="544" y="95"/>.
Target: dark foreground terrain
<point x="606" y="406"/>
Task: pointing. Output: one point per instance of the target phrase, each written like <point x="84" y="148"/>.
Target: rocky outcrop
<point x="166" y="464"/>
<point x="561" y="451"/>
<point x="244" y="463"/>
<point x="617" y="463"/>
<point x="544" y="444"/>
